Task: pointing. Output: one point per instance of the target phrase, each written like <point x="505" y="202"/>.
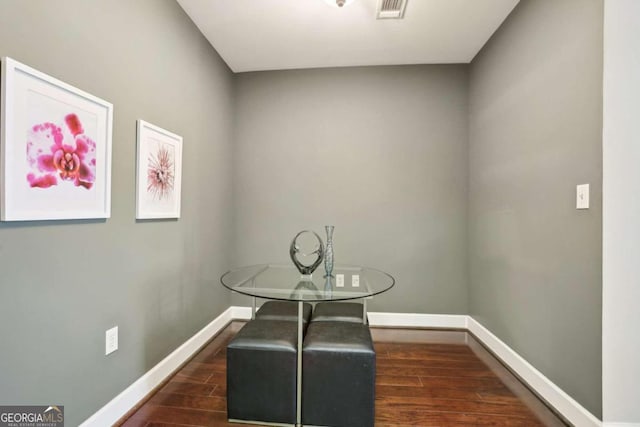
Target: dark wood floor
<point x="424" y="378"/>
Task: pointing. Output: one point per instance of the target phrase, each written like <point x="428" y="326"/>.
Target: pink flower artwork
<point x="160" y="175"/>
<point x="63" y="152"/>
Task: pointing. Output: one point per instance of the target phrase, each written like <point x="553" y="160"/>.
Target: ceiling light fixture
<point x="338" y="3"/>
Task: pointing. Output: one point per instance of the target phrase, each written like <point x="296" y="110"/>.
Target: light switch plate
<point x="111" y="337"/>
<point x="339" y="280"/>
<point x="355" y="280"/>
<point x="582" y="196"/>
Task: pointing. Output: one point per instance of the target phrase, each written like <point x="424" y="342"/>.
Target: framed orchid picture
<point x="55" y="148"/>
<point x="159" y="172"/>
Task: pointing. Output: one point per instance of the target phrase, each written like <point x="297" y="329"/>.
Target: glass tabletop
<point x="284" y="282"/>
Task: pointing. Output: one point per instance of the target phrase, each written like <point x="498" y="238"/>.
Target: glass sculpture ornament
<point x="306" y="251"/>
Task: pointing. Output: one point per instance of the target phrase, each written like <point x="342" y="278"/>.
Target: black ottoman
<point x="284" y="310"/>
<point x="338" y="312"/>
<point x="338" y="375"/>
<point x="261" y="372"/>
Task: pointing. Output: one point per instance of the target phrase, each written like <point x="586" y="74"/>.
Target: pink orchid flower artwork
<point x="61" y="153"/>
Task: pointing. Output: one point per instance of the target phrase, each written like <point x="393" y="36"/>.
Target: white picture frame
<point x="158" y="172"/>
<point x="55" y="148"/>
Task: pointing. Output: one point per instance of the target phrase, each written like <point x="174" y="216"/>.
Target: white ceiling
<point x="253" y="35"/>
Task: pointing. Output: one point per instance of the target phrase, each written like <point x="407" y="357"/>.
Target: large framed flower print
<point x="55" y="148"/>
<point x="159" y="172"/>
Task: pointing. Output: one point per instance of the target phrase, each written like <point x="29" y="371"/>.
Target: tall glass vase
<point x="328" y="288"/>
<point x="328" y="254"/>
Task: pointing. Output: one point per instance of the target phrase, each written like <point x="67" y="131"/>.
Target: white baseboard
<point x="561" y="401"/>
<point x="409" y="320"/>
<point x="240" y="313"/>
<point x="132" y="395"/>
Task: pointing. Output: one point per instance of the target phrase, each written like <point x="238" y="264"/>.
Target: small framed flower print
<point x="55" y="148"/>
<point x="159" y="172"/>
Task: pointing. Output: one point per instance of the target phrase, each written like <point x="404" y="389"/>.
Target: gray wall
<point x="380" y="153"/>
<point x="535" y="132"/>
<point x="62" y="284"/>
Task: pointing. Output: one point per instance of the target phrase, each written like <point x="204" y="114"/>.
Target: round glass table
<point x="284" y="282"/>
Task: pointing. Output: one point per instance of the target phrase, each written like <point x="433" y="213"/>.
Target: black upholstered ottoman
<point x="261" y="372"/>
<point x="283" y="310"/>
<point x="338" y="312"/>
<point x="338" y="375"/>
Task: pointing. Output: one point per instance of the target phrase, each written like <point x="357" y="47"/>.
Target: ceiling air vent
<point x="391" y="9"/>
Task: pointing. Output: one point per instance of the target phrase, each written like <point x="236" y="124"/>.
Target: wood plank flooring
<point x="424" y="378"/>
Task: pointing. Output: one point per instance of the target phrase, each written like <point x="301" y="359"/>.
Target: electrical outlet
<point x="111" y="343"/>
<point x="355" y="280"/>
<point x="339" y="280"/>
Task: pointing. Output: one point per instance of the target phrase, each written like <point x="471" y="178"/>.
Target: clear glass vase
<point x="328" y="254"/>
<point x="328" y="287"/>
